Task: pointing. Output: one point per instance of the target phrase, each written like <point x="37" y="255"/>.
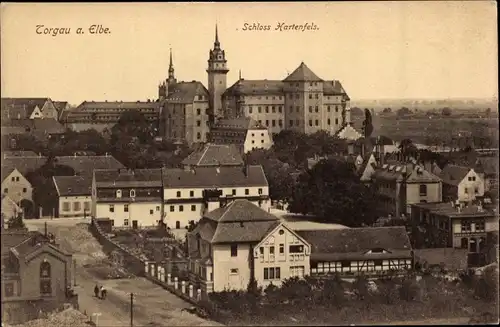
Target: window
<point x="125" y="208"/>
<point x="261" y="250"/>
<point x="193" y="207"/>
<point x="336" y="121"/>
<point x="310" y="122"/>
<point x="272" y="273"/>
<point x="178" y="194"/>
<point x="267" y="109"/>
<point x="157" y="208"/>
<point x="13" y="178"/>
<point x="45" y="278"/>
<point x="328" y="108"/>
<point x="234" y="250"/>
<point x="328" y="121"/>
<point x="310" y="109"/>
<point x="297" y="271"/>
<point x="198" y="112"/>
<point x="77" y="206"/>
<point x="316" y="95"/>
<point x="247" y="191"/>
<point x="132" y="193"/>
<point x="267" y="122"/>
<point x="234" y="271"/>
<point x="297" y="96"/>
<point x="476" y="190"/>
<point x="465" y="226"/>
<point x="273" y="108"/>
<point x="472" y="178"/>
<point x="316" y="122"/>
<point x="125" y="222"/>
<point x="336" y="108"/>
<point x="282" y="248"/>
<point x="172" y="208"/>
<point x="6" y="190"/>
<point x="377" y="263"/>
<point x="310" y="96"/>
<point x="271" y="250"/>
<point x="291" y="122"/>
<point x="198" y="135"/>
<point x="111" y="208"/>
<point x="233" y="191"/>
<point x="423" y="190"/>
<point x="86" y="205"/>
<point x="480" y="226"/>
<point x="191" y="193"/>
<point x="118" y="193"/>
<point x="9" y="289"/>
<point x="259" y="109"/>
<point x="177" y="224"/>
<point x="280" y="123"/>
<point x="181" y="208"/>
<point x="260" y="191"/>
<point x="466" y="191"/>
<point x="316" y="109"/>
<point x="296" y="249"/>
<point x="198" y="123"/>
<point x="250" y="109"/>
<point x="273" y="123"/>
<point x="345" y="263"/>
<point x="65" y="206"/>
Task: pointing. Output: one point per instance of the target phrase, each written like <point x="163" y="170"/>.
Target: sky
<point x="377" y="50"/>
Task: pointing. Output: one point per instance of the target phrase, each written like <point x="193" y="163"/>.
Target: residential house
<point x="461" y="183"/>
<point x="101" y="115"/>
<point x="366" y="167"/>
<point x="42" y="129"/>
<point x="455" y="224"/>
<point x="351" y="251"/>
<point x="61" y="106"/>
<point x="27" y="108"/>
<point x="244" y="132"/>
<point x="74" y="195"/>
<point x="402" y="184"/>
<point x="240" y="241"/>
<point x="10" y="209"/>
<point x="85" y="165"/>
<point x="213" y="155"/>
<point x="189" y="194"/>
<point x="36" y="275"/>
<point x="487" y="168"/>
<point x="130" y="198"/>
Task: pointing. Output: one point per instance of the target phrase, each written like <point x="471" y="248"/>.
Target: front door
<point x="134" y="224"/>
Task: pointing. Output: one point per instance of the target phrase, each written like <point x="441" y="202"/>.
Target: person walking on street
<point x="103" y="292"/>
<point x="96" y="291"/>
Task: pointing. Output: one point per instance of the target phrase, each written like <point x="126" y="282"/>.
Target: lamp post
<point x="131" y="309"/>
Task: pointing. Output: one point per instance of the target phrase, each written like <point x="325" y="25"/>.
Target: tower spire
<point x="240" y="75"/>
<point x="216" y="43"/>
<point x="171" y="66"/>
<point x="171" y="75"/>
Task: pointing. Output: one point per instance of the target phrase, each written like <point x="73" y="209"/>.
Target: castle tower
<point x="217" y="78"/>
<point x="171" y="76"/>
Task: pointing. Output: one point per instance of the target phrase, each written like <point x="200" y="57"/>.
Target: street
<point x="153" y="305"/>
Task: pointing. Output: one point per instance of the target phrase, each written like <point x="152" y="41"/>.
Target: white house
<point x="74" y="195"/>
<point x="461" y="183"/>
<point x="244" y="132"/>
<point x="234" y="243"/>
<point x="189" y="193"/>
<point x="129" y="198"/>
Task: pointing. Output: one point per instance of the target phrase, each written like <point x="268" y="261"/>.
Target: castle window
<point x="125" y="208"/>
<point x="178" y="194"/>
<point x="267" y="109"/>
<point x="267" y="122"/>
<point x="328" y="121"/>
<point x="181" y="208"/>
<point x="328" y="108"/>
<point x="193" y="207"/>
<point x="316" y="122"/>
<point x="259" y="109"/>
<point x="336" y="121"/>
<point x="310" y="95"/>
<point x="336" y="108"/>
<point x="310" y="109"/>
<point x="250" y="109"/>
<point x="198" y="123"/>
<point x="280" y="123"/>
<point x="198" y="112"/>
<point x="172" y="208"/>
<point x="273" y="109"/>
<point x="291" y="122"/>
<point x="280" y="109"/>
<point x="273" y="122"/>
<point x="310" y="122"/>
<point x="317" y="110"/>
<point x="198" y="135"/>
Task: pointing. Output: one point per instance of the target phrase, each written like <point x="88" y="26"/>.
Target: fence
<point x="161" y="274"/>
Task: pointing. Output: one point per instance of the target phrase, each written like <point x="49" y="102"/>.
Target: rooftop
<point x="451" y="210"/>
<point x="211" y="155"/>
<point x="242" y="123"/>
<point x="302" y="74"/>
<point x="186" y="92"/>
<point x="73" y="185"/>
<point x="453" y="174"/>
<point x="128" y="178"/>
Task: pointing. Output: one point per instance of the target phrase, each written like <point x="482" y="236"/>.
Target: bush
<point x="360" y="287"/>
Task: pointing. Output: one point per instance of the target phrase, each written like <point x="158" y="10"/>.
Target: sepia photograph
<point x="249" y="163"/>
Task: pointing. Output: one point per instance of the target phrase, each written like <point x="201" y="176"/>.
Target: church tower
<point x="217" y="79"/>
<point x="171" y="76"/>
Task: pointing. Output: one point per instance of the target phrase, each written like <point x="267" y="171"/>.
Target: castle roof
<point x="302" y="74"/>
<point x="186" y="92"/>
<point x="242" y="123"/>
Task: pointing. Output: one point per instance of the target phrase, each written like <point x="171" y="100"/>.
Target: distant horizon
<point x="377" y="50"/>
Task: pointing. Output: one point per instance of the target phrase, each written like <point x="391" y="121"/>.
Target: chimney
<point x="217" y="170"/>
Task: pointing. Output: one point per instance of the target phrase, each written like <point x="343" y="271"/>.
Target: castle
<point x="302" y="101"/>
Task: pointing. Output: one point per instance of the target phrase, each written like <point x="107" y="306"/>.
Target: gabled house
<point x="366" y="167"/>
<point x="351" y="251"/>
<point x="244" y="132"/>
<point x="129" y="198"/>
<point x="487" y="168"/>
<point x="461" y="183"/>
<point x="28" y="108"/>
<point x="213" y="155"/>
<point x="74" y="195"/>
<point x="401" y="184"/>
<point x="189" y="194"/>
<point x="36" y="273"/>
<point x="240" y="241"/>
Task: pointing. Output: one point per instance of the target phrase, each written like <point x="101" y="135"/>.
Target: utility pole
<point x="131" y="309"/>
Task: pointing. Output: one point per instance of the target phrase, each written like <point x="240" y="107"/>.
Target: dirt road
<point x="153" y="305"/>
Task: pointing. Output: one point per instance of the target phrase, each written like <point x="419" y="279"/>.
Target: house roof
<point x="211" y="154"/>
<point x="453" y="174"/>
<point x="240" y="211"/>
<point x="16" y="238"/>
<point x="353" y="243"/>
<point x="302" y="74"/>
<point x="23" y="164"/>
<point x="73" y="185"/>
<point x="128" y="178"/>
<point x="186" y="92"/>
<point x="240" y="221"/>
<point x="60" y="105"/>
<point x="242" y="123"/>
<point x="348" y="132"/>
<point x="449" y="210"/>
<point x="115" y="108"/>
<point x="214" y="177"/>
<point x="39" y="126"/>
<point x="85" y="165"/>
<point x="21" y="107"/>
<point x="408" y="172"/>
<point x="274" y="87"/>
<point x="488" y="165"/>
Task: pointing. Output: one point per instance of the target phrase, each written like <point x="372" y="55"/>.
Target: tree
<point x="16" y="222"/>
<point x="134" y="125"/>
<point x="446" y="111"/>
<point x="387" y="110"/>
<point x="367" y="124"/>
<point x="407" y="148"/>
<point x="403" y="111"/>
<point x="332" y="192"/>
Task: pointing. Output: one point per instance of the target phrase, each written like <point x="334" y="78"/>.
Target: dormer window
<point x="132" y="193"/>
<point x="118" y="193"/>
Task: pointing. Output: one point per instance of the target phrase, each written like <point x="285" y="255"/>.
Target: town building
<point x="244" y="132"/>
<point x="85" y="165"/>
<point x="74" y="196"/>
<point x="10" y="209"/>
<point x="366" y="167"/>
<point x="129" y="198"/>
<point x="302" y="102"/>
<point x="213" y="155"/>
<point x="487" y="168"/>
<point x="61" y="106"/>
<point x="27" y="109"/>
<point x="239" y="242"/>
<point x="461" y="183"/>
<point x="455" y="224"/>
<point x="102" y="115"/>
<point x="401" y="184"/>
<point x="189" y="193"/>
<point x="36" y="275"/>
<point x="353" y="251"/>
